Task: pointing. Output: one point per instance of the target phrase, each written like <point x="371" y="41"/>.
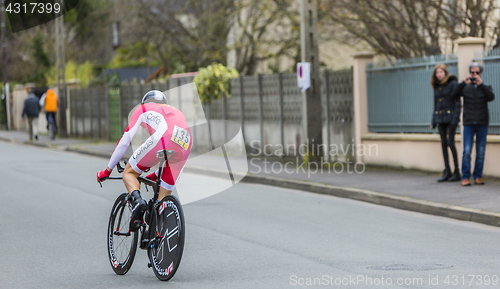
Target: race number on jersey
<point x="181" y="137"/>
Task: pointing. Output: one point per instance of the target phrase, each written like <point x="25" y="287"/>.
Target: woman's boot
<point x="446" y="175"/>
<point x="455" y="177"/>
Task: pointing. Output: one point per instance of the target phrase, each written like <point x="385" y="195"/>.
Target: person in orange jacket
<point x="49" y="103"/>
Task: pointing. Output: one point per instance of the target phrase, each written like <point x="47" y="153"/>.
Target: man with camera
<point x="476" y="96"/>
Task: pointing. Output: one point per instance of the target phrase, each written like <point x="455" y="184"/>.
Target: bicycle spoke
<point x="121" y="214"/>
<point x="122" y="244"/>
<point x="123" y="250"/>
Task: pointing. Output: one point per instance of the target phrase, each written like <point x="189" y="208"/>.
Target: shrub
<point x="213" y="81"/>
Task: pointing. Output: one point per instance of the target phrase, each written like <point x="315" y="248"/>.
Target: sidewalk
<point x="409" y="190"/>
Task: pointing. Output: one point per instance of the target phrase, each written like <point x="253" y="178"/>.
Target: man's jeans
<point x="480" y="131"/>
<point x="53" y="114"/>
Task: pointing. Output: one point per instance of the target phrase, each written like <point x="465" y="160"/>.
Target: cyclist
<point x="49" y="103"/>
<point x="168" y="130"/>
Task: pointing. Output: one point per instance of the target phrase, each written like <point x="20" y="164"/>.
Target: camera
<point x="472" y="79"/>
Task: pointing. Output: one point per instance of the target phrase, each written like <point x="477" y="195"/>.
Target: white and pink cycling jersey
<point x="168" y="130"/>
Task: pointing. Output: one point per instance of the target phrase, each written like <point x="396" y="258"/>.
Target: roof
<point x="181" y="75"/>
<point x="128" y="74"/>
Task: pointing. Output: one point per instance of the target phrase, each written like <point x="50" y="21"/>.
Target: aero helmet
<point x="154" y="96"/>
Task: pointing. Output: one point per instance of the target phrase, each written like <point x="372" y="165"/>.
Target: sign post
<point x="4" y="61"/>
<point x="304" y="75"/>
<point x="312" y="123"/>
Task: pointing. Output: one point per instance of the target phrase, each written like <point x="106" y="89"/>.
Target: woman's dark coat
<point x="446" y="108"/>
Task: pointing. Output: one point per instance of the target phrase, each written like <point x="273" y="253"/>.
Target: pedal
<point x="149" y="264"/>
<point x="144" y="244"/>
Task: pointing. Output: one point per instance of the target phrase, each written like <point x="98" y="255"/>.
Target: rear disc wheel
<point x="165" y="252"/>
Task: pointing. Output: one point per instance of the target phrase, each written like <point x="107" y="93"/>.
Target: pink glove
<point x="103" y="174"/>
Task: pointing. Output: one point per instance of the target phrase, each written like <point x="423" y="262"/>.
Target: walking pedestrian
<point x="476" y="95"/>
<point x="31" y="109"/>
<point x="446" y="116"/>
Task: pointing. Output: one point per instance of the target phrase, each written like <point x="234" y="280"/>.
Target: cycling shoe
<point x="138" y="211"/>
<point x="137" y="214"/>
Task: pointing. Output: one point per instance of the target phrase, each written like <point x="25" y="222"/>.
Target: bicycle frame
<point x="164" y="155"/>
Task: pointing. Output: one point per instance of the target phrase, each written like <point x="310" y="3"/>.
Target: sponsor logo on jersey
<point x="153" y="118"/>
<point x="142" y="148"/>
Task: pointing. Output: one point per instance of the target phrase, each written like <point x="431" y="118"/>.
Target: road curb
<point x="88" y="152"/>
<point x="6" y="139"/>
<point x="384" y="199"/>
<point x="33" y="143"/>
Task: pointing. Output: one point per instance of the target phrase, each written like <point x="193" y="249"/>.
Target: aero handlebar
<point x="163" y="154"/>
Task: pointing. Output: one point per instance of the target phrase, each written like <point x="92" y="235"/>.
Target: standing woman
<point x="446" y="117"/>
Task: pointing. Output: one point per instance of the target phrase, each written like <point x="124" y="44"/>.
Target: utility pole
<point x="311" y="98"/>
<point x="4" y="62"/>
<point x="61" y="71"/>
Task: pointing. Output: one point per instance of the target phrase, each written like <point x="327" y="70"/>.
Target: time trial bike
<point x="161" y="234"/>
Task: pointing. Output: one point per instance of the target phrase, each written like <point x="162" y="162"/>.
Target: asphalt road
<point x="54" y="220"/>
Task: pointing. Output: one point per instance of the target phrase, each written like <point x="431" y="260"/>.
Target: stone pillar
<point x="70" y="84"/>
<point x="360" y="93"/>
<point x="467" y="47"/>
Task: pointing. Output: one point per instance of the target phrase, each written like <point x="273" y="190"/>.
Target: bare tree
<point x="470" y="18"/>
<point x="192" y="32"/>
<point x="199" y="32"/>
<point x="400" y="28"/>
<point x="269" y="30"/>
<point x="265" y="30"/>
<point x="477" y="16"/>
<point x="408" y="28"/>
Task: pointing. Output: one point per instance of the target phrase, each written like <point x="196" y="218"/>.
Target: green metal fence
<point x="269" y="108"/>
<point x="102" y="112"/>
<point x="90" y="112"/>
<point x="400" y="96"/>
<point x="491" y="73"/>
<point x="114" y="114"/>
